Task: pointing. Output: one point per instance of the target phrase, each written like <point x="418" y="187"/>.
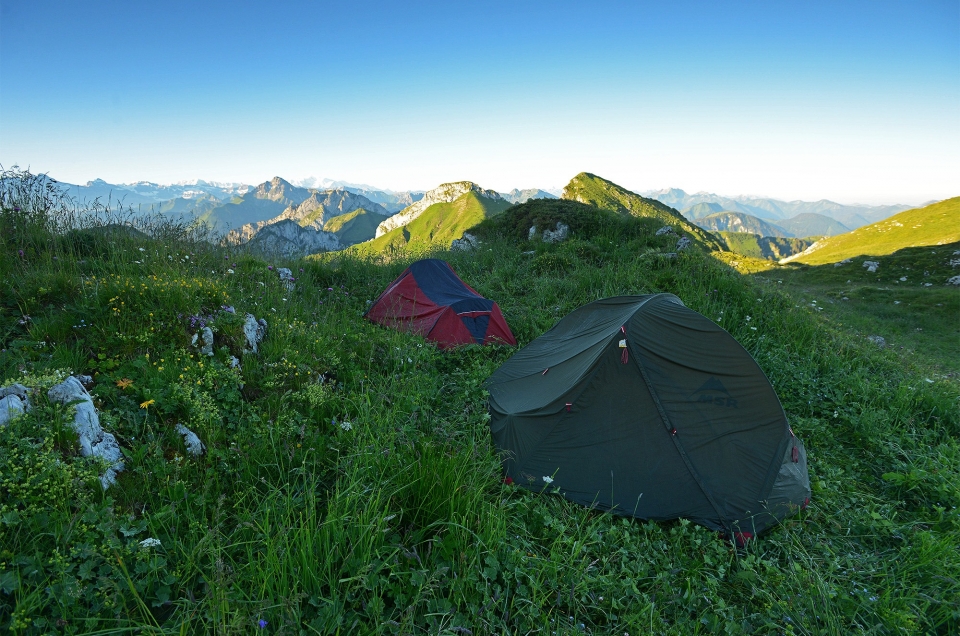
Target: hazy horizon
<point x="858" y="103"/>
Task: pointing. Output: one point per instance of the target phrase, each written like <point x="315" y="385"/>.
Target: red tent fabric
<point x="429" y="299"/>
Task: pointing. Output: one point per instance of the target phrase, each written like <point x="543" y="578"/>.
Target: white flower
<point x="142" y="250"/>
<point x="229" y="271"/>
<point x="748" y="318"/>
<point x="548" y="480"/>
<point x="150" y="543"/>
<point x="346" y="426"/>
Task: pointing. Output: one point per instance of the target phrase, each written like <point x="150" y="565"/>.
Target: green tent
<point x="642" y="406"/>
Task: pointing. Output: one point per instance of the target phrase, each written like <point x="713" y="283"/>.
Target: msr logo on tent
<point x="707" y="394"/>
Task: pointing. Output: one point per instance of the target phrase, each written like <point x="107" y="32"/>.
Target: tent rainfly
<point x="642" y="406"/>
<point x="429" y="299"/>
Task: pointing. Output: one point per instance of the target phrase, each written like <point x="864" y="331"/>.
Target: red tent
<point x="429" y="299"/>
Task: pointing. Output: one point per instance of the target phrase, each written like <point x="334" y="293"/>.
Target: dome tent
<point x="641" y="406"/>
<point x="429" y="299"/>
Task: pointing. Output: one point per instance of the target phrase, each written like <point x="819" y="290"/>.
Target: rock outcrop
<point x="86" y="423"/>
<point x="254" y="330"/>
<point x="465" y="243"/>
<point x="445" y="193"/>
<point x="555" y="236"/>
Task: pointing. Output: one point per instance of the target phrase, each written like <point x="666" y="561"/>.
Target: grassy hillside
<point x="907" y="301"/>
<point x="354" y="227"/>
<point x="934" y="224"/>
<point x="437" y="227"/>
<point x="349" y="484"/>
<point x="606" y="195"/>
<point x="765" y="247"/>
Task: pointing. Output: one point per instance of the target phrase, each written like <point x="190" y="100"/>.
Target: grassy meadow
<point x="349" y="483"/>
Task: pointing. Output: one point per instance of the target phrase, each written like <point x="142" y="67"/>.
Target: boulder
<point x="205" y="337"/>
<point x="532" y="232"/>
<point x="871" y="265"/>
<point x="86" y="423"/>
<point x="666" y="229"/>
<point x="254" y="330"/>
<point x="954" y="281"/>
<point x="286" y="277"/>
<point x="194" y="446"/>
<point x="557" y="235"/>
<point x="466" y="243"/>
<point x="880" y="341"/>
<point x="683" y="243"/>
<point x="11" y="406"/>
<point x="18" y="390"/>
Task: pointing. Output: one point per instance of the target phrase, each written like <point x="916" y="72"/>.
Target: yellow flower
<point x="144" y="405"/>
<point x="124" y="383"/>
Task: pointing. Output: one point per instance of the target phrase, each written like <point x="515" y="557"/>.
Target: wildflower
<point x="261" y="623"/>
<point x="747" y="318"/>
<point x="124" y="383"/>
<point x="548" y="480"/>
<point x="229" y="271"/>
<point x="150" y="543"/>
<point x="346" y="425"/>
<point x="142" y="250"/>
<point x="270" y="267"/>
<point x="146" y="404"/>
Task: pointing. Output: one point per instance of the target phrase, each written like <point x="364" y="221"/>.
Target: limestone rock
<point x="557" y="235"/>
<point x="194" y="446"/>
<point x="683" y="243"/>
<point x="18" y="390"/>
<point x="871" y="265"/>
<point x="954" y="281"/>
<point x="205" y="337"/>
<point x="666" y="229"/>
<point x="843" y="262"/>
<point x="444" y="193"/>
<point x="86" y="423"/>
<point x="11" y="406"/>
<point x="286" y="277"/>
<point x="880" y="341"/>
<point x="254" y="330"/>
<point x="465" y="243"/>
<point x="532" y="233"/>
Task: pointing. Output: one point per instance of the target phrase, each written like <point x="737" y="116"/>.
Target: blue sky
<point x="851" y="101"/>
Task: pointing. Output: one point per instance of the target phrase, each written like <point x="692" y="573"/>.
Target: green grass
<point x="935" y="224"/>
<point x="350" y="486"/>
<point x="918" y="316"/>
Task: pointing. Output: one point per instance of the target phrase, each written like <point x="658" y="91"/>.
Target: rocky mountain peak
<point x="444" y="193"/>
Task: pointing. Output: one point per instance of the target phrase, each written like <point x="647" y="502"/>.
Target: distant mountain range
<point x="147" y="193"/>
<point x="341" y="213"/>
<point x="702" y="204"/>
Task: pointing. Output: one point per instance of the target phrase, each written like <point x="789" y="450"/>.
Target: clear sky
<point x="851" y="101"/>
